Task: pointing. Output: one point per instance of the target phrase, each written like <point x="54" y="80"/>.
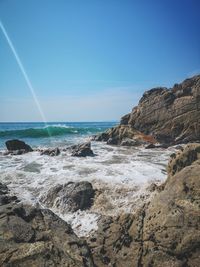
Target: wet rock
<point x="50" y="152"/>
<point x="3" y="189"/>
<point x="130" y="142"/>
<point x="150" y="146"/>
<point x="5" y="198"/>
<point x="113" y="141"/>
<point x="19" y="146"/>
<point x="36" y="237"/>
<point x="102" y="137"/>
<point x="125" y="134"/>
<point x="82" y="150"/>
<point x="70" y="197"/>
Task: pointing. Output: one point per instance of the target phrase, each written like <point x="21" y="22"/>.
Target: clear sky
<point x="92" y="60"/>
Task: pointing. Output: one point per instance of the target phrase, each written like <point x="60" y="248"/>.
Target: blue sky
<point x="92" y="60"/>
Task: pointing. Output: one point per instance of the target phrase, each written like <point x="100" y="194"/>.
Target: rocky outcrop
<point x="125" y="135"/>
<point x="171" y="116"/>
<point x="36" y="237"/>
<point x="19" y="146"/>
<point x="70" y="196"/>
<point x="164" y="232"/>
<point x="185" y="157"/>
<point x="50" y="152"/>
<point x="82" y="150"/>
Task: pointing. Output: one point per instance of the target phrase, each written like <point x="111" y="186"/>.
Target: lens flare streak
<point x="19" y="62"/>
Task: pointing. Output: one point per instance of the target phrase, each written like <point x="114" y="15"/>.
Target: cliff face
<point x="171" y="116"/>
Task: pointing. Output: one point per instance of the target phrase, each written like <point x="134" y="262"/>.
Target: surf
<point x="44" y="131"/>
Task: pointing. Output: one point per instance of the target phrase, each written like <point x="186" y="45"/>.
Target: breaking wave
<point x="48" y="131"/>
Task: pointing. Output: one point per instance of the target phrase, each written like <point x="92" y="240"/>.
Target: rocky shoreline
<point x="163" y="232"/>
<point x="163" y="228"/>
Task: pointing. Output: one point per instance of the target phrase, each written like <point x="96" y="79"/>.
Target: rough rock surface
<point x="18" y="145"/>
<point x="51" y="152"/>
<point x="82" y="150"/>
<point x="37" y="238"/>
<point x="165" y="232"/>
<point x="172" y="116"/>
<point x="125" y="135"/>
<point x="70" y="196"/>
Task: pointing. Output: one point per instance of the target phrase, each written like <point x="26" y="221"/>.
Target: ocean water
<point x="121" y="174"/>
<point x="52" y="133"/>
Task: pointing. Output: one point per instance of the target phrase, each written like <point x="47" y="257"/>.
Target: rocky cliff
<point x="169" y="116"/>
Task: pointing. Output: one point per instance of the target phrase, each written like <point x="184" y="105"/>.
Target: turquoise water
<point x="50" y="134"/>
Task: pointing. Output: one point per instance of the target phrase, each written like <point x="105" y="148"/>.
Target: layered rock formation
<point x="170" y="116"/>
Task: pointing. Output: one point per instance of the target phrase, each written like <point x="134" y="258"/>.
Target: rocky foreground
<point x="164" y="232"/>
<point x="168" y="116"/>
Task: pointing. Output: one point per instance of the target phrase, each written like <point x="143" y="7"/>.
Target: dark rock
<point x="18" y="152"/>
<point x="50" y="152"/>
<point x="17" y="145"/>
<point x="179" y="147"/>
<point x="163" y="146"/>
<point x="102" y="137"/>
<point x="82" y="150"/>
<point x="124" y="120"/>
<point x="150" y="146"/>
<point x="152" y="187"/>
<point x="5" y="199"/>
<point x="113" y="141"/>
<point x="3" y="189"/>
<point x="131" y="142"/>
<point x="70" y="196"/>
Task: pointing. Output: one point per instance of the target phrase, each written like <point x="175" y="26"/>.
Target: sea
<point x="121" y="175"/>
<point x="50" y="134"/>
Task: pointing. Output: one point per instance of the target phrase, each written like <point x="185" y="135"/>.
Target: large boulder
<point x="70" y="197"/>
<point x="36" y="237"/>
<point x="172" y="116"/>
<point x="82" y="150"/>
<point x="18" y="145"/>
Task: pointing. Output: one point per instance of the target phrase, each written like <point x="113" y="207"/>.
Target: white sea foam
<point x="121" y="173"/>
